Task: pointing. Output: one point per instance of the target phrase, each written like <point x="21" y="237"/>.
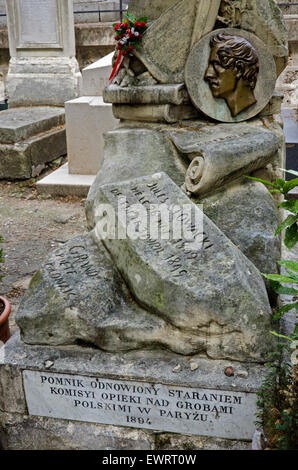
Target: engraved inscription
<point x="38" y="19"/>
<point x="66" y="267"/>
<point x="141" y="405"/>
<point x="173" y="250"/>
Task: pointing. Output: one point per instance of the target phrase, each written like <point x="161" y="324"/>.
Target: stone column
<point x="43" y="69"/>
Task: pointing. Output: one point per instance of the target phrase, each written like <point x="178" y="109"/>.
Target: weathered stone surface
<point x="154" y="113"/>
<point x="39" y="433"/>
<point x="261" y="17"/>
<point x="132" y="152"/>
<point x="199" y="88"/>
<point x="229" y="301"/>
<point x="79" y="295"/>
<point x="37" y="81"/>
<point x="223" y="153"/>
<point x="61" y="183"/>
<point x="27" y="158"/>
<point x="247" y="214"/>
<point x="153" y="406"/>
<point x="96" y="76"/>
<point x="167" y="42"/>
<point x="138" y="366"/>
<point x="87" y="118"/>
<point x="43" y="69"/>
<point x="152" y="9"/>
<point x="175" y="442"/>
<point x="21" y="123"/>
<point x="12" y="396"/>
<point x="158" y="94"/>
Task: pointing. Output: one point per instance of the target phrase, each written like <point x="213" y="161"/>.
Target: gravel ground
<point x="32" y="226"/>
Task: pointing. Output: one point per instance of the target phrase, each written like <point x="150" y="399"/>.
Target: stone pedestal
<point x="87" y="118"/>
<point x="43" y="74"/>
<point x="79" y="398"/>
<point x="29" y="139"/>
<point x="43" y="68"/>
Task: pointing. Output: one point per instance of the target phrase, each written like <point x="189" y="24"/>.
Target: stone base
<point x="43" y="80"/>
<point x="34" y="378"/>
<point x="87" y="118"/>
<point x="62" y="183"/>
<point x="30" y="137"/>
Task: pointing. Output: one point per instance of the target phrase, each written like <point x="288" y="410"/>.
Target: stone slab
<point x="162" y="272"/>
<point x="39" y="23"/>
<point x="185" y="22"/>
<point x="40" y="81"/>
<point x="129" y="369"/>
<point x="87" y="119"/>
<point x="152" y="9"/>
<point x="140" y="404"/>
<point x="17" y="124"/>
<point x="39" y="28"/>
<point x="154" y="113"/>
<point x="158" y="94"/>
<point x="123" y="159"/>
<point x="96" y="76"/>
<point x="78" y="295"/>
<point x="25" y="432"/>
<point x="252" y="204"/>
<point x="61" y="183"/>
<point x="26" y="159"/>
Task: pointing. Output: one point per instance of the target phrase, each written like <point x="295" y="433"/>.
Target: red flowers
<point x="129" y="33"/>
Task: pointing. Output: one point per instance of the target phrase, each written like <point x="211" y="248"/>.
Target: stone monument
<point x="158" y="319"/>
<point x="43" y="72"/>
<point x="87" y="118"/>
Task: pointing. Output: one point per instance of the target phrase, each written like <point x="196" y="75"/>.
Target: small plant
<point x="291" y="222"/>
<point x="278" y="396"/>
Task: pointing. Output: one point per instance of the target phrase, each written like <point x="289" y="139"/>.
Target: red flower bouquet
<point x="128" y="36"/>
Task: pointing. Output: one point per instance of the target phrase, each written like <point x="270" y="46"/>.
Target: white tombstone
<point x="43" y="69"/>
<point x="87" y="118"/>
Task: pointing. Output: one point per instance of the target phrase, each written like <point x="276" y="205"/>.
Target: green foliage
<point x="276" y="281"/>
<point x="278" y="402"/>
<point x="291" y="222"/>
<point x="278" y="396"/>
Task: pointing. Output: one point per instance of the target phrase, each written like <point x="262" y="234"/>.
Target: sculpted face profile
<point x="233" y="71"/>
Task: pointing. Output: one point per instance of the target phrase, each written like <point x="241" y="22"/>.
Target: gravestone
<point x="43" y="73"/>
<point x="159" y="319"/>
<point x="43" y="68"/>
<point x="87" y="119"/>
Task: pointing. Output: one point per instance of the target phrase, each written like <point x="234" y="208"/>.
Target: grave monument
<point x="87" y="118"/>
<point x="152" y="330"/>
<point x="43" y="74"/>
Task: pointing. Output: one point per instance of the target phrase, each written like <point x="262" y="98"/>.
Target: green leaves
<point x="291" y="236"/>
<point x="263" y="181"/>
<point x="290" y="220"/>
<point x="290" y="224"/>
<point x="290" y="278"/>
<point x="279" y="278"/>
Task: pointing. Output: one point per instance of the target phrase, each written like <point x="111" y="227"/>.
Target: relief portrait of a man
<point x="232" y="71"/>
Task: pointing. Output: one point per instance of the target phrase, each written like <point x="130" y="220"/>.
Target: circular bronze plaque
<point x="230" y="75"/>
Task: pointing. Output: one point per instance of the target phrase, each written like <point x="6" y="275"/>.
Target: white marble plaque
<point x="38" y="22"/>
<point x="183" y="410"/>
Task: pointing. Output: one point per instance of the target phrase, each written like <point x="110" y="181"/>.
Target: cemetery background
<point x="48" y="214"/>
